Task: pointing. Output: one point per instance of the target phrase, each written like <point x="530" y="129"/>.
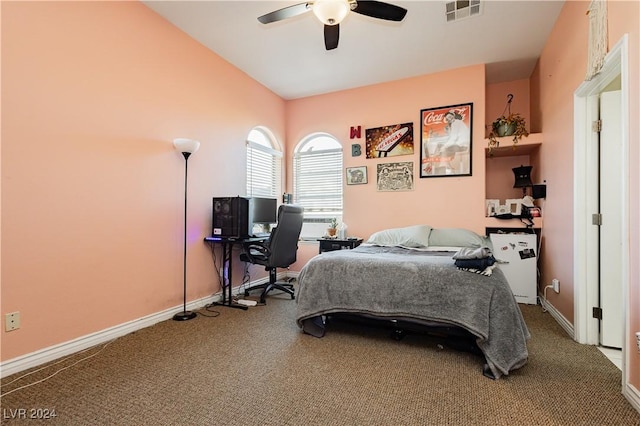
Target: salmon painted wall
<point x="497" y="101"/>
<point x="439" y="202"/>
<point x="399" y="96"/>
<point x="93" y="94"/>
<point x="560" y="71"/>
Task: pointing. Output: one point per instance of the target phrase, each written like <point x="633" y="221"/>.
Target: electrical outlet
<point x="556" y="285"/>
<point x="12" y="321"/>
<point x="638" y="340"/>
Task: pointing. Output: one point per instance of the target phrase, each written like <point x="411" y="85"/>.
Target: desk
<point x="227" y="259"/>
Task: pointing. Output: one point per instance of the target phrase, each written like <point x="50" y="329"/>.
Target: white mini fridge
<point x="520" y="251"/>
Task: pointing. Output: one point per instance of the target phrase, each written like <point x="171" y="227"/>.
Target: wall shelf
<point x="492" y="222"/>
<point x="525" y="146"/>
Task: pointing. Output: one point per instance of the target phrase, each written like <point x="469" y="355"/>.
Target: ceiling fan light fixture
<point x="331" y="12"/>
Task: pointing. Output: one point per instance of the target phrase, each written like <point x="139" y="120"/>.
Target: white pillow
<point x="455" y="237"/>
<point x="410" y="236"/>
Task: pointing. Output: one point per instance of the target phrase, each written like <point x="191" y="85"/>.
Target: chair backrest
<point x="283" y="242"/>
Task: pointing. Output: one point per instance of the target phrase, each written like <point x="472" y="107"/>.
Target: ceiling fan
<point x="332" y="12"/>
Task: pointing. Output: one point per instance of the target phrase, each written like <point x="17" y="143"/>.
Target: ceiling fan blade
<point x="331" y="36"/>
<point x="284" y="13"/>
<point x="380" y="10"/>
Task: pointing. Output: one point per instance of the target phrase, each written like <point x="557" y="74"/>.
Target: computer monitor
<point x="265" y="210"/>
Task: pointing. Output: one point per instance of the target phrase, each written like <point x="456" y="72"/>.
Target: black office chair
<point x="279" y="251"/>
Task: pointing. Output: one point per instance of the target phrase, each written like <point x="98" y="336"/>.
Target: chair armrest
<point x="262" y="251"/>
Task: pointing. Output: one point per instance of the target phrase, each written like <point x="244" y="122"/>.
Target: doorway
<point x="587" y="264"/>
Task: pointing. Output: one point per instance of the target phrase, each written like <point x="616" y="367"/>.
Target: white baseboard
<point x="560" y="319"/>
<point x="633" y="396"/>
<point x="52" y="353"/>
<point x="42" y="356"/>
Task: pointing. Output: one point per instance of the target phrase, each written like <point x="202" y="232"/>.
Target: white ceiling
<point x="289" y="56"/>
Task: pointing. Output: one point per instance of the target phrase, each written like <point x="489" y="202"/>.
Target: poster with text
<point x="389" y="141"/>
<point x="445" y="141"/>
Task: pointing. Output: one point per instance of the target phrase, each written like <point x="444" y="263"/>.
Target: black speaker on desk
<point x="232" y="217"/>
<point x="539" y="191"/>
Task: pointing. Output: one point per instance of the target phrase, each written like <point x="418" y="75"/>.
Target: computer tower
<point x="232" y="217"/>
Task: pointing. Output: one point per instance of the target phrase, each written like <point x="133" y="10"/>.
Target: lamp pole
<point x="187" y="147"/>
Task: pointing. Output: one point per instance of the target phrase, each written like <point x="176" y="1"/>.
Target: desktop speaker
<point x="539" y="191"/>
<point x="232" y="217"/>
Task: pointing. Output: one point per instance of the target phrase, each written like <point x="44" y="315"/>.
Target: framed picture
<point x="356" y="175"/>
<point x="388" y="141"/>
<point x="492" y="206"/>
<point x="514" y="206"/>
<point x="393" y="177"/>
<point x="445" y="141"/>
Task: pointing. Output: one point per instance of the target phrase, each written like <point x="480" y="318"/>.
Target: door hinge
<point x="597" y="313"/>
<point x="596" y="219"/>
<point x="596" y="126"/>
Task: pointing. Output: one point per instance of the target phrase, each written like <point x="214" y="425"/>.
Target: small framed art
<point x="393" y="177"/>
<point x="492" y="207"/>
<point x="356" y="175"/>
<point x="514" y="206"/>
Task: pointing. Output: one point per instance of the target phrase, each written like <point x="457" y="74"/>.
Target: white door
<point x="611" y="187"/>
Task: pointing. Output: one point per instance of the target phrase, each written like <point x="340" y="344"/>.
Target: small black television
<point x="265" y="210"/>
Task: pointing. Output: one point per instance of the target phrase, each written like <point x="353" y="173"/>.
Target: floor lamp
<point x="186" y="147"/>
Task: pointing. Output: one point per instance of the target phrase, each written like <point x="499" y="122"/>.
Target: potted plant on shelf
<point x="511" y="124"/>
<point x="333" y="227"/>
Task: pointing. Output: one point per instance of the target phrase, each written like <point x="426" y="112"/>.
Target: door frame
<point x="585" y="235"/>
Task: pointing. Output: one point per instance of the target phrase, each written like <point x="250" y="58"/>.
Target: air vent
<point x="461" y="9"/>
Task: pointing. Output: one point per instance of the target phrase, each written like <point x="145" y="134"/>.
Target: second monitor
<point x="265" y="211"/>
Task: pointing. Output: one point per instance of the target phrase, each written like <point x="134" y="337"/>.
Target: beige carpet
<point x="255" y="367"/>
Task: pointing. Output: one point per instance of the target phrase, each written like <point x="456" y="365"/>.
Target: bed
<point x="409" y="275"/>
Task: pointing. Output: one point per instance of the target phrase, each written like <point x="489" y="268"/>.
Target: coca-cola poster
<point x="388" y="141"/>
<point x="445" y="141"/>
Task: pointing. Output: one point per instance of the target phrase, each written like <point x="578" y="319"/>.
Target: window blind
<point x="263" y="171"/>
<point x="318" y="182"/>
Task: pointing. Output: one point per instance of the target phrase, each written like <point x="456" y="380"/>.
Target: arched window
<point x="264" y="164"/>
<point x="317" y="181"/>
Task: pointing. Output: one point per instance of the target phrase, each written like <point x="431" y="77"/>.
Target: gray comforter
<point x="399" y="283"/>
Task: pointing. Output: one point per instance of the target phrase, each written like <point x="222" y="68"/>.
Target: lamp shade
<point x="331" y="12"/>
<point x="523" y="176"/>
<point x="186" y="145"/>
